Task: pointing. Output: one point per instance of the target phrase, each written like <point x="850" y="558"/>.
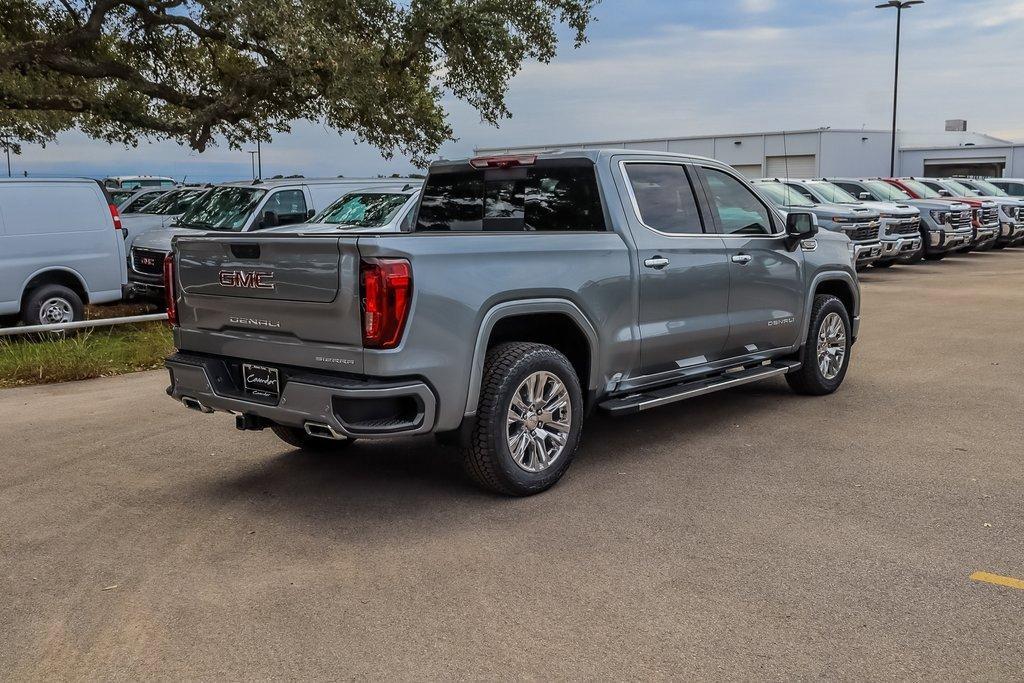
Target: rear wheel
<point x="293" y="436"/>
<point x="826" y="353"/>
<point x="52" y="304"/>
<point x="528" y="420"/>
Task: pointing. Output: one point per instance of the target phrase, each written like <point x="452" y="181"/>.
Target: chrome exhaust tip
<point x="195" y="404"/>
<point x="323" y="431"/>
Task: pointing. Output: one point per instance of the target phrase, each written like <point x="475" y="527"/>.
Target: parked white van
<point x="61" y="247"/>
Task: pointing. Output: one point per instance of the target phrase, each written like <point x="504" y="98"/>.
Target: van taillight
<point x="387" y="294"/>
<point x="116" y="215"/>
<point x="169" y="293"/>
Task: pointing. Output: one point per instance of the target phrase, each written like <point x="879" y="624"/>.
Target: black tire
<point x="488" y="457"/>
<point x="934" y="257"/>
<point x="809" y="379"/>
<point x="883" y="264"/>
<point x="999" y="246"/>
<point x="33" y="313"/>
<point x="911" y="260"/>
<point x="293" y="436"/>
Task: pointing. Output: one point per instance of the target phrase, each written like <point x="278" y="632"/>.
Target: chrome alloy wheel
<point x="831" y="346"/>
<point x="55" y="310"/>
<point x="539" y="420"/>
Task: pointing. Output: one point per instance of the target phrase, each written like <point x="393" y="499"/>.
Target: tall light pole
<point x="900" y="5"/>
<point x="252" y="158"/>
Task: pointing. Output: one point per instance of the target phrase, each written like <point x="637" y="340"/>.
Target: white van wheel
<point x="51" y="304"/>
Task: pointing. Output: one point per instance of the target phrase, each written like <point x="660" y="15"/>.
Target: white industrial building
<point x="832" y="152"/>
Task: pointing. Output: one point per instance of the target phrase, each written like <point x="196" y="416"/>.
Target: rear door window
<point x="542" y="197"/>
<point x="664" y="198"/>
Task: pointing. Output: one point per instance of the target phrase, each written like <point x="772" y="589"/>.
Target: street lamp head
<point x="899" y="4"/>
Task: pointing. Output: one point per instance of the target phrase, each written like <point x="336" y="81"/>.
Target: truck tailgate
<point x="282" y="299"/>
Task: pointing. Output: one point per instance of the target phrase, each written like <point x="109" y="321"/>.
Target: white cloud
<point x="757" y="6"/>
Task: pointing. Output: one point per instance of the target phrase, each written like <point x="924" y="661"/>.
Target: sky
<point x="661" y="68"/>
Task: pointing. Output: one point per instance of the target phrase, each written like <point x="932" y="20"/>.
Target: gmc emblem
<point x="255" y="279"/>
<point x="147" y="261"/>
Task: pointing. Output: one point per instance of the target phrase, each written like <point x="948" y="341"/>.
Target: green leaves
<point x="195" y="70"/>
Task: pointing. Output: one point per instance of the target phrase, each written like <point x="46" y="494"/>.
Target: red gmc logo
<point x="255" y="279"/>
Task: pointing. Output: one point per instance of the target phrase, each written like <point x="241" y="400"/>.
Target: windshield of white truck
<point x="921" y="190"/>
<point x="961" y="190"/>
<point x="783" y="195"/>
<point x="832" y="194"/>
<point x="987" y="188"/>
<point x="172" y="203"/>
<point x="546" y="196"/>
<point x="364" y="209"/>
<point x="222" y="208"/>
<point x="886" y="192"/>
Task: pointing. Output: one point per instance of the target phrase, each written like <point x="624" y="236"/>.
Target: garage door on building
<point x="793" y="166"/>
<point x="749" y="170"/>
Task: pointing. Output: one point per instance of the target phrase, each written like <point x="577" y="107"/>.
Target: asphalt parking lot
<point x="747" y="534"/>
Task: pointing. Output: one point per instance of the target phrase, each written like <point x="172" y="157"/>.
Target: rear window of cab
<point x="558" y="195"/>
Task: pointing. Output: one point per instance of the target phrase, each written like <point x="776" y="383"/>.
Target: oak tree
<point x="194" y="71"/>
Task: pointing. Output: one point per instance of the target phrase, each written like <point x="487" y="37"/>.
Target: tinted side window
<point x="739" y="210"/>
<point x="543" y="197"/>
<point x="855" y="190"/>
<point x="289" y="205"/>
<point x="664" y="197"/>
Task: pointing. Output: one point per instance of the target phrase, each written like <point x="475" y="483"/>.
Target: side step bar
<point x="634" y="403"/>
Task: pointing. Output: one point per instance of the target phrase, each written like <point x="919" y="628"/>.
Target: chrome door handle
<point x="742" y="259"/>
<point x="658" y="262"/>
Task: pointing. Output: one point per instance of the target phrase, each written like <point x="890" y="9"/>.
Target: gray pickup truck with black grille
<point x="529" y="291"/>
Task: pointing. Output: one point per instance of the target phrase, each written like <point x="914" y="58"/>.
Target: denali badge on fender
<point x="253" y="279"/>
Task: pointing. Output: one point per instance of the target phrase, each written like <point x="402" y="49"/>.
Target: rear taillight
<point x="504" y="161"/>
<point x="387" y="295"/>
<point x="169" y="294"/>
<point x="116" y="215"/>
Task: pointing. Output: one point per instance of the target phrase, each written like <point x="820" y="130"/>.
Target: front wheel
<point x="883" y="264"/>
<point x="826" y="353"/>
<point x="934" y="257"/>
<point x="528" y="420"/>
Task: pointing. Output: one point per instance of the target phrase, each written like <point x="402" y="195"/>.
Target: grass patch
<point x="97" y="352"/>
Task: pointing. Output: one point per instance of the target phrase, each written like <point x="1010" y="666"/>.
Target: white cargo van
<point x="61" y="247"/>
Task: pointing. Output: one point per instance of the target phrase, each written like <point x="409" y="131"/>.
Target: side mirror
<point x="270" y="220"/>
<point x="864" y="196"/>
<point x="310" y="214"/>
<point x="800" y="225"/>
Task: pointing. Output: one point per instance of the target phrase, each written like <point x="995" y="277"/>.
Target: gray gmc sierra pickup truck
<point x="530" y="290"/>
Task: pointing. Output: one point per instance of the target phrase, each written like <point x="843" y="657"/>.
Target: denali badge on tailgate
<point x="253" y="279"/>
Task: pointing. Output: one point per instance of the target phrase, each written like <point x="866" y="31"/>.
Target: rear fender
<point x="514" y="308"/>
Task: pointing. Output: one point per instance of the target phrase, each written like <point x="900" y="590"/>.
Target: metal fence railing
<point x="60" y="327"/>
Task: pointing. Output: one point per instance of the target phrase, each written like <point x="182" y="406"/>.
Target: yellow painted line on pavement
<point x="998" y="580"/>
